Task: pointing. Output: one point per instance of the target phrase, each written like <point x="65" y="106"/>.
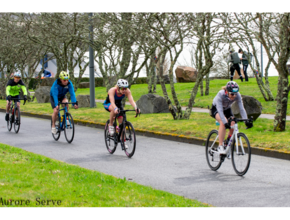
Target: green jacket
<point x="13" y="88"/>
<point x="245" y="60"/>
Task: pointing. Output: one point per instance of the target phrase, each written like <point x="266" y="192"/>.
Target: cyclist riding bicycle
<point x="58" y="94"/>
<point x="12" y="91"/>
<point x="221" y="111"/>
<point x="113" y="102"/>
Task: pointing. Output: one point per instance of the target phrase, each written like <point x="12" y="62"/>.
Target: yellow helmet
<point x="63" y="75"/>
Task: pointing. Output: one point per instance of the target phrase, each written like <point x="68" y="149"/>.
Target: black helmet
<point x="232" y="86"/>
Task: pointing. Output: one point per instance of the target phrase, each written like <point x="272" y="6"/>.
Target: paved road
<point x="175" y="167"/>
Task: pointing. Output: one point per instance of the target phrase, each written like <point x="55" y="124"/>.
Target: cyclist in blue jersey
<point x="113" y="102"/>
<point x="58" y="94"/>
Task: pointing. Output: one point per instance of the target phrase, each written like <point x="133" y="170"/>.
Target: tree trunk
<point x="201" y="88"/>
<point x="207" y="85"/>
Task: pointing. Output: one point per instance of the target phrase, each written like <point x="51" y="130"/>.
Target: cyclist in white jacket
<point x="221" y="110"/>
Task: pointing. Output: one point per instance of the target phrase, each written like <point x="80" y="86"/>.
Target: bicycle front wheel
<point x="212" y="157"/>
<point x="241" y="154"/>
<point x="69" y="128"/>
<point x="16" y="119"/>
<point x="129" y="139"/>
<point x="111" y="141"/>
<point x="57" y="135"/>
<point x="10" y="121"/>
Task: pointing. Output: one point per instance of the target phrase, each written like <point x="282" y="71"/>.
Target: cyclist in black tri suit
<point x="113" y="102"/>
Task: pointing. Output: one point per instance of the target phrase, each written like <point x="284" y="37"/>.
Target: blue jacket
<point x="58" y="91"/>
<point x="46" y="73"/>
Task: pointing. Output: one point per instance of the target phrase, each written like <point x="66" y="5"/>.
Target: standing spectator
<point x="235" y="64"/>
<point x="245" y="62"/>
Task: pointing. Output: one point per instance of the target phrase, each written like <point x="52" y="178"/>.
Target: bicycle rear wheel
<point x="57" y="135"/>
<point x="69" y="128"/>
<point x="241" y="154"/>
<point x="10" y="121"/>
<point x="213" y="159"/>
<point x="111" y="141"/>
<point x="16" y="119"/>
<point x="129" y="139"/>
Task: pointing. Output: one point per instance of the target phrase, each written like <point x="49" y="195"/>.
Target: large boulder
<point x="2" y="90"/>
<point x="42" y="94"/>
<point x="84" y="101"/>
<point x="185" y="74"/>
<point x="252" y="106"/>
<point x="84" y="85"/>
<point x="152" y="103"/>
<point x="47" y="81"/>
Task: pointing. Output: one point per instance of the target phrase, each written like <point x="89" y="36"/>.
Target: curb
<point x="279" y="154"/>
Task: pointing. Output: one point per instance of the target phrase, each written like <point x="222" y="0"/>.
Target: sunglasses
<point x="233" y="93"/>
<point x="124" y="89"/>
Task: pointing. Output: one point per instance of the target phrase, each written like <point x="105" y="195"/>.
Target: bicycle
<point x="14" y="118"/>
<point x="125" y="134"/>
<point x="239" y="151"/>
<point x="64" y="123"/>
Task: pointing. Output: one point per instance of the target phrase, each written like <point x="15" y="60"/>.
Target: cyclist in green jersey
<point x="12" y="91"/>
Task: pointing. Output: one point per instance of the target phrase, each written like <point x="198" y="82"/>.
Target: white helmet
<point x="122" y="83"/>
<point x="17" y="74"/>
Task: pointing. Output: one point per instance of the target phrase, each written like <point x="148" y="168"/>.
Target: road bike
<point x="238" y="149"/>
<point x="124" y="134"/>
<point x="14" y="116"/>
<point x="64" y="123"/>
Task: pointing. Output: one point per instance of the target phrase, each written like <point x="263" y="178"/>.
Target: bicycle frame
<point x="234" y="136"/>
<point x="63" y="122"/>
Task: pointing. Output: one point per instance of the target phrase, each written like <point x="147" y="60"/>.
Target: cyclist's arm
<point x="54" y="93"/>
<point x="130" y="98"/>
<point x="23" y="88"/>
<point x="72" y="92"/>
<point x="241" y="106"/>
<point x="219" y="107"/>
<point x="8" y="90"/>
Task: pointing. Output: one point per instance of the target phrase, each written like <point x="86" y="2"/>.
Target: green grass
<point x="27" y="176"/>
<point x="183" y="91"/>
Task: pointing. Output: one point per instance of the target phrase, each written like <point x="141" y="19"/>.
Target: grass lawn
<point x="183" y="91"/>
<point x="37" y="180"/>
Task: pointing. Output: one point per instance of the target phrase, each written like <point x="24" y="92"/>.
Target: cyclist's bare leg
<point x="112" y="115"/>
<point x="18" y="105"/>
<point x="222" y="129"/>
<point x="8" y="106"/>
<point x="65" y="100"/>
<point x="54" y="116"/>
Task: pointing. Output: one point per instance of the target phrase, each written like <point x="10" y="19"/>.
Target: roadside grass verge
<point x="28" y="176"/>
<point x="199" y="124"/>
<point x="183" y="91"/>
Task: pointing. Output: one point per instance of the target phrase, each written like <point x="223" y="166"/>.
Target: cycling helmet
<point x="232" y="86"/>
<point x="63" y="75"/>
<point x="122" y="83"/>
<point x="17" y="74"/>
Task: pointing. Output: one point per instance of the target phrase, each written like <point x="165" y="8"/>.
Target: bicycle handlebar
<point x="131" y="111"/>
<point x="240" y="119"/>
<point x="59" y="103"/>
<point x="19" y="99"/>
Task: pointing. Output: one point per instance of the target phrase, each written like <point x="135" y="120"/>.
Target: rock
<point x="42" y="94"/>
<point x="185" y="74"/>
<point x="2" y="90"/>
<point x="252" y="106"/>
<point x="151" y="103"/>
<point x="47" y="81"/>
<point x="84" y="85"/>
<point x="84" y="101"/>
